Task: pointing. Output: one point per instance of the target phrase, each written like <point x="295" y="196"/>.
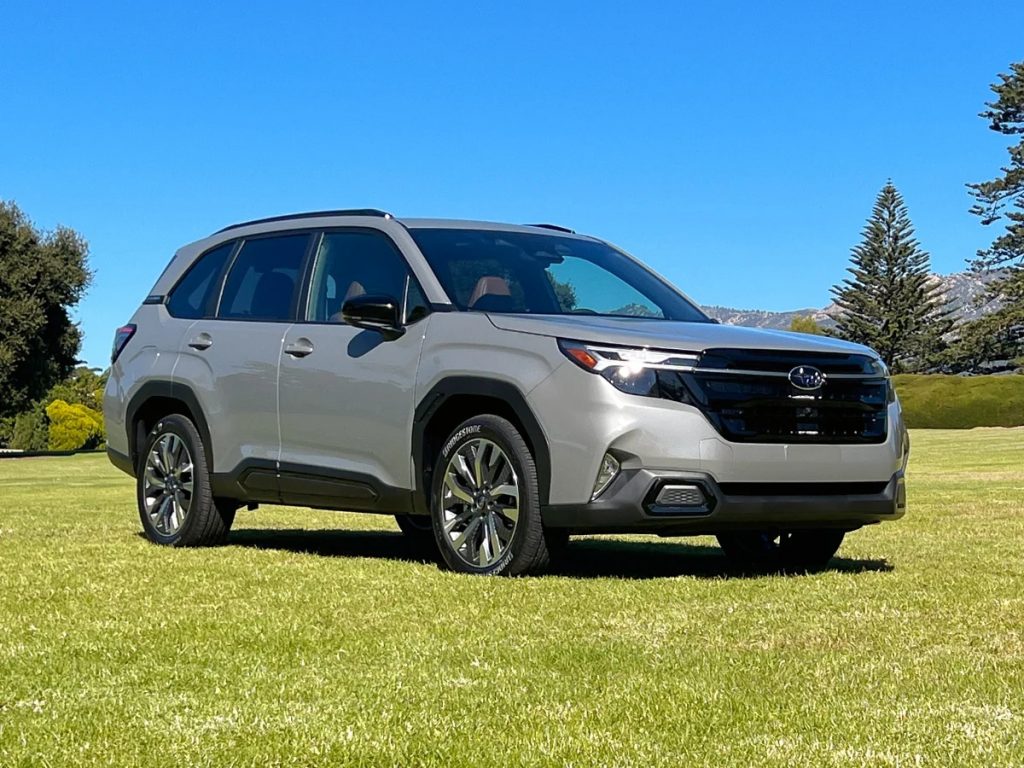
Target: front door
<point x="347" y="395"/>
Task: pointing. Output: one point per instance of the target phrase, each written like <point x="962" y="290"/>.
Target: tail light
<point x="121" y="338"/>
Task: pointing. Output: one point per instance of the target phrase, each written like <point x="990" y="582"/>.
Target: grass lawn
<point x="323" y="638"/>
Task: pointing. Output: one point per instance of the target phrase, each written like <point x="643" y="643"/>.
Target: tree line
<point x="889" y="301"/>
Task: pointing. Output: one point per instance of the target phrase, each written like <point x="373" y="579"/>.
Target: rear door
<point x="346" y="394"/>
<point x="231" y="359"/>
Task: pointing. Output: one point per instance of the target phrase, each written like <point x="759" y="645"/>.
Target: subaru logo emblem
<point x="807" y="378"/>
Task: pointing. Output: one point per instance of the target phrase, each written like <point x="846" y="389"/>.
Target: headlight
<point x="631" y="370"/>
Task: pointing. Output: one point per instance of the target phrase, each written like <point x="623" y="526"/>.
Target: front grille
<point x="748" y="397"/>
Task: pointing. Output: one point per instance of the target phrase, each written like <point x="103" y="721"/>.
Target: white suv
<point x="496" y="387"/>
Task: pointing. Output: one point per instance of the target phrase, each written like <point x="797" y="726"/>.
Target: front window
<point x="532" y="273"/>
<point x="356" y="263"/>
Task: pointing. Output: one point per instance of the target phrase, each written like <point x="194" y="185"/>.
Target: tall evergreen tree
<point x="890" y="302"/>
<point x="1000" y="335"/>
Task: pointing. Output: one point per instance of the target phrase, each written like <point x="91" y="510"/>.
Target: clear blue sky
<point x="737" y="147"/>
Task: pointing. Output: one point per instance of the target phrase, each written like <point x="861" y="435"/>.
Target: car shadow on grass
<point x="385" y="545"/>
<point x="602" y="558"/>
<point x="584" y="558"/>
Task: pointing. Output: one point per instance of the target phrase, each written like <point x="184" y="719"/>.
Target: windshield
<point x="529" y="273"/>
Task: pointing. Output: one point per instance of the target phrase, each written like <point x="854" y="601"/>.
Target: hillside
<point x="961" y="289"/>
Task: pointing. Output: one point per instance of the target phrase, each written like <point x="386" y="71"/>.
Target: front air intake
<point x="680" y="496"/>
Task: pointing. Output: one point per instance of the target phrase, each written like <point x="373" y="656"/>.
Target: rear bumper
<point x="121" y="461"/>
<point x="629" y="506"/>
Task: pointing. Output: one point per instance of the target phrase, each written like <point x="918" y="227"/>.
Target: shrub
<point x="31" y="430"/>
<point x="6" y="431"/>
<point x="806" y="324"/>
<point x="936" y="401"/>
<point x="73" y="426"/>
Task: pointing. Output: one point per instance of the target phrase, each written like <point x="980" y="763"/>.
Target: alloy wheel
<point x="479" y="503"/>
<point x="168" y="484"/>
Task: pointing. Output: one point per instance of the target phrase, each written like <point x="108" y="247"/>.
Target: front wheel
<point x="485" y="501"/>
<point x="802" y="550"/>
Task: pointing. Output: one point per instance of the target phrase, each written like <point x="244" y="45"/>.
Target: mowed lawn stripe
<point x="326" y="638"/>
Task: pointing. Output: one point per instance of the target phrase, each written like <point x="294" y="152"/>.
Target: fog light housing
<point x="608" y="471"/>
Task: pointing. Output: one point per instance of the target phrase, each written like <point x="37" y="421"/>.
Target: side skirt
<point x="266" y="482"/>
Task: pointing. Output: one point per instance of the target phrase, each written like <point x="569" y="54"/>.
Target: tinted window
<point x="523" y="272"/>
<point x="262" y="281"/>
<point x="351" y="264"/>
<point x="193" y="296"/>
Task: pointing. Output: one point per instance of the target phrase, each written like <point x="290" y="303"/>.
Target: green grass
<point x="322" y="638"/>
<point x="934" y="401"/>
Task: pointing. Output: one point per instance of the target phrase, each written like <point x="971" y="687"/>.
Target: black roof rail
<point x="311" y="215"/>
<point x="554" y="227"/>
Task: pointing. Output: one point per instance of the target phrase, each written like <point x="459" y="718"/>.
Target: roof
<point x="410" y="223"/>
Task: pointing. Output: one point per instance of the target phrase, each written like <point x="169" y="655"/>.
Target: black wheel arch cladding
<point x="452" y="391"/>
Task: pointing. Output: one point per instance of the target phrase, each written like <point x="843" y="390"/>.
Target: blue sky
<point x="737" y="147"/>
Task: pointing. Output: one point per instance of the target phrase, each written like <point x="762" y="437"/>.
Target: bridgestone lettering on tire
<point x="485" y="501"/>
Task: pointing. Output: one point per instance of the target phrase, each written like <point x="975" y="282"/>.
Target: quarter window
<point x="193" y="296"/>
<point x="263" y="279"/>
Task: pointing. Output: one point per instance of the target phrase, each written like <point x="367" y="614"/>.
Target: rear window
<point x="194" y="295"/>
<point x="263" y="280"/>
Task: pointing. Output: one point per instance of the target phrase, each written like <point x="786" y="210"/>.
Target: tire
<point x="801" y="550"/>
<point x="486" y="518"/>
<point x="162" y="495"/>
<point x="557" y="540"/>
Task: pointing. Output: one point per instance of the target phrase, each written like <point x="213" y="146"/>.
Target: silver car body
<point x="338" y="427"/>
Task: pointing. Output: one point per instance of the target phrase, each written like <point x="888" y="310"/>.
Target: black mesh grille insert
<point x="749" y="398"/>
<point x="680" y="496"/>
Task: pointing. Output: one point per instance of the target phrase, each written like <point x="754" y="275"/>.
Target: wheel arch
<point x="457" y="398"/>
<point x="153" y="401"/>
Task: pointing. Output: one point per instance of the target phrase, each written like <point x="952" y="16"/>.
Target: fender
<point x="480" y="386"/>
<point x="164" y="389"/>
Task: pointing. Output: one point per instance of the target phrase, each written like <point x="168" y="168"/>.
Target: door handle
<point x="299" y="348"/>
<point x="201" y="342"/>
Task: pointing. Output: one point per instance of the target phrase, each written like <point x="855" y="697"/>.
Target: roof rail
<point x="311" y="215"/>
<point x="554" y="227"/>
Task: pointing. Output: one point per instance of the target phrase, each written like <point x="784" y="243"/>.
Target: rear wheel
<point x="802" y="550"/>
<point x="485" y="501"/>
<point x="176" y="505"/>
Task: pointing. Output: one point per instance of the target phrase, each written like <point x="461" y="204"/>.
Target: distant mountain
<point x="961" y="289"/>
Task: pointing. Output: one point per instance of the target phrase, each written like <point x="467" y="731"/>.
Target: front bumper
<point x="584" y="416"/>
<point x="629" y="506"/>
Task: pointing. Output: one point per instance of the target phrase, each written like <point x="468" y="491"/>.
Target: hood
<point x="669" y="334"/>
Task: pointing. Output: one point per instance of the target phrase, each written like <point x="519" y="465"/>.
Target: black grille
<point x="748" y="397"/>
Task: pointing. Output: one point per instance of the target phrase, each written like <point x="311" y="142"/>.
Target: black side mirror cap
<point x="375" y="313"/>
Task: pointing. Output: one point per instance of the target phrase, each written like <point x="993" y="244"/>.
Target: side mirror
<point x="375" y="313"/>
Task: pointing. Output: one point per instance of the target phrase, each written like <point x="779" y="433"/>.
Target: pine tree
<point x="890" y="302"/>
<point x="1000" y="335"/>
